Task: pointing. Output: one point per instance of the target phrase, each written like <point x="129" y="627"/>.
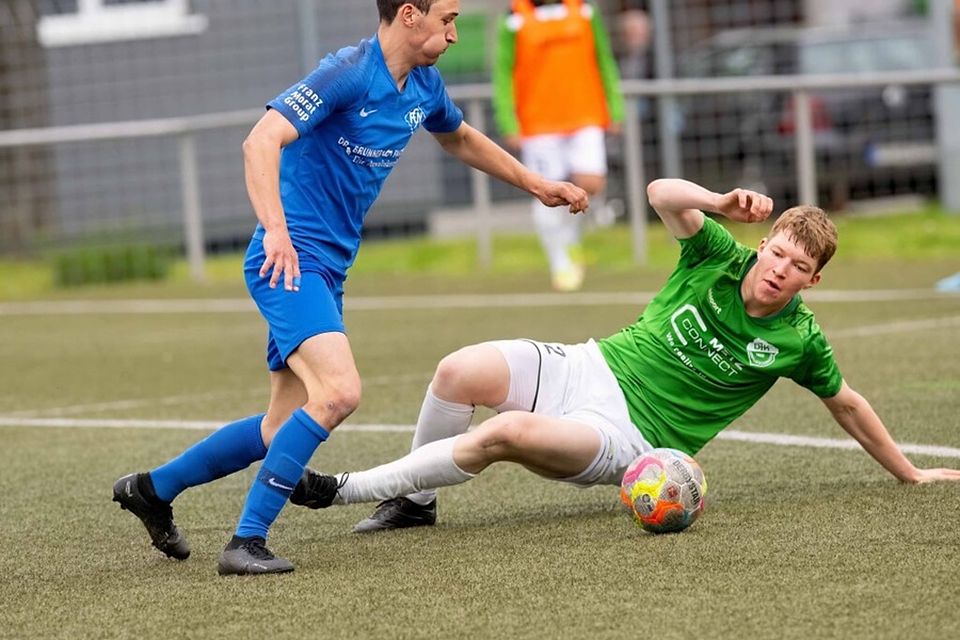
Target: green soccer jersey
<point x="695" y="361"/>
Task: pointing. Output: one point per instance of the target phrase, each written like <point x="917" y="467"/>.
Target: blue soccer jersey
<point x="354" y="124"/>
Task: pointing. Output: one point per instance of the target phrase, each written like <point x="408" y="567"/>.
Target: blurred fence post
<point x="635" y="179"/>
<point x="806" y="162"/>
<point x="192" y="222"/>
<point x="946" y="108"/>
<point x="309" y="36"/>
<point x="666" y="103"/>
<point x="480" y="186"/>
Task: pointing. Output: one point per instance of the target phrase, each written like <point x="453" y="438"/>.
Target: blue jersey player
<point x="314" y="164"/>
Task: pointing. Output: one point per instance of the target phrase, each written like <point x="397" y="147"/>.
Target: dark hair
<point x="388" y="8"/>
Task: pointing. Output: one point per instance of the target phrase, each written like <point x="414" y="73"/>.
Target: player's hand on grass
<point x="938" y="475"/>
<point x="743" y="205"/>
<point x="556" y="194"/>
<point x="280" y="255"/>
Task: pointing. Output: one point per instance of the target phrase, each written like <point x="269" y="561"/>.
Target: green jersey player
<point x="728" y="323"/>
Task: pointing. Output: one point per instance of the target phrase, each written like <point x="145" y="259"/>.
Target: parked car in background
<point x="869" y="142"/>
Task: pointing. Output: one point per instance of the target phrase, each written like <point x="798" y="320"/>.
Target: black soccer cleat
<point x="135" y="494"/>
<point x="249" y="557"/>
<point x="398" y="513"/>
<point x="316" y="490"/>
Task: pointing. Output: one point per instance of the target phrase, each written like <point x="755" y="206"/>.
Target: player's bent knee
<point x="501" y="437"/>
<point x="453" y="374"/>
<point x="335" y="406"/>
<point x="477" y="375"/>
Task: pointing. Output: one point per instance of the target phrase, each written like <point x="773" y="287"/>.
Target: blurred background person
<point x="634" y="29"/>
<point x="556" y="89"/>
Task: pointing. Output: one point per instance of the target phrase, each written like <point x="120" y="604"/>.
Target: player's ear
<point x="763" y="243"/>
<point x="408" y="13"/>
<point x="813" y="281"/>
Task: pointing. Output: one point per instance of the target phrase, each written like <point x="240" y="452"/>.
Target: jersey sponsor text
<point x="304" y="102"/>
<point x="689" y="329"/>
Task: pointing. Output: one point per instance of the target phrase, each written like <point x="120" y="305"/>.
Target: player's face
<point x="435" y="30"/>
<point x="782" y="270"/>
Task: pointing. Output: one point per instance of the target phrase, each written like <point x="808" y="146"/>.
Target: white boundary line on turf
<point x="134" y="403"/>
<point x="380" y="303"/>
<point x="784" y="439"/>
<point x="780" y="439"/>
<point x="900" y="326"/>
<point x="19" y="419"/>
<point x="110" y="423"/>
<point x="113" y="405"/>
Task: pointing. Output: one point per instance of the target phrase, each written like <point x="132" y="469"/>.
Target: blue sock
<point x="289" y="452"/>
<point x="226" y="450"/>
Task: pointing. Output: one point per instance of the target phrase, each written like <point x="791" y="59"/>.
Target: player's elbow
<point x="253" y="145"/>
<point x="842" y="412"/>
<point x="266" y="141"/>
<point x="454" y="141"/>
<point x="657" y="191"/>
<point x="451" y="143"/>
<point x="846" y="402"/>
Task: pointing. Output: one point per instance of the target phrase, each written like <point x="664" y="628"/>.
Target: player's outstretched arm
<point x="857" y="417"/>
<point x="679" y="204"/>
<point x="480" y="152"/>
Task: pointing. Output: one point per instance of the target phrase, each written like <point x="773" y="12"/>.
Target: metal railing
<point x="475" y="96"/>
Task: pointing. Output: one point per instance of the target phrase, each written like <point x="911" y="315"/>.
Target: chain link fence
<point x="128" y="66"/>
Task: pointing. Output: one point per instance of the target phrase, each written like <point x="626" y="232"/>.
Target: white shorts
<point x="557" y="156"/>
<point x="573" y="382"/>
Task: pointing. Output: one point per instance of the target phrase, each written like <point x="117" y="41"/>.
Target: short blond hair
<point x="810" y="228"/>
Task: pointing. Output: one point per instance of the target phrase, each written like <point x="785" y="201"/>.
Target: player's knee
<point x="335" y="404"/>
<point x="501" y="437"/>
<point x="451" y="379"/>
<point x="347" y="399"/>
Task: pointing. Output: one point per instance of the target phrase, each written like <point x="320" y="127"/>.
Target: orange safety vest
<point x="556" y="76"/>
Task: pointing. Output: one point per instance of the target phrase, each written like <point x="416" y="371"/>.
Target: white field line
<point x="784" y="439"/>
<point x="779" y="439"/>
<point x="133" y="403"/>
<point x="380" y="303"/>
<point x="21" y="419"/>
<point x="186" y="398"/>
<point x="203" y="425"/>
<point x="902" y="326"/>
<point x="115" y="405"/>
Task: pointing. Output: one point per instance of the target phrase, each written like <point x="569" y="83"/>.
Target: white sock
<point x="439" y="419"/>
<point x="426" y="467"/>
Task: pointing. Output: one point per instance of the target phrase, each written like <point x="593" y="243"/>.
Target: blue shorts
<point x="293" y="316"/>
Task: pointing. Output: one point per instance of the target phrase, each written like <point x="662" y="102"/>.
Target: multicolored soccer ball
<point x="664" y="489"/>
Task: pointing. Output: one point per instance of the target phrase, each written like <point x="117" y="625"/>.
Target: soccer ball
<point x="664" y="490"/>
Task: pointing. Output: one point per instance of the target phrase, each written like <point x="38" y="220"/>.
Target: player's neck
<point x="396" y="54"/>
